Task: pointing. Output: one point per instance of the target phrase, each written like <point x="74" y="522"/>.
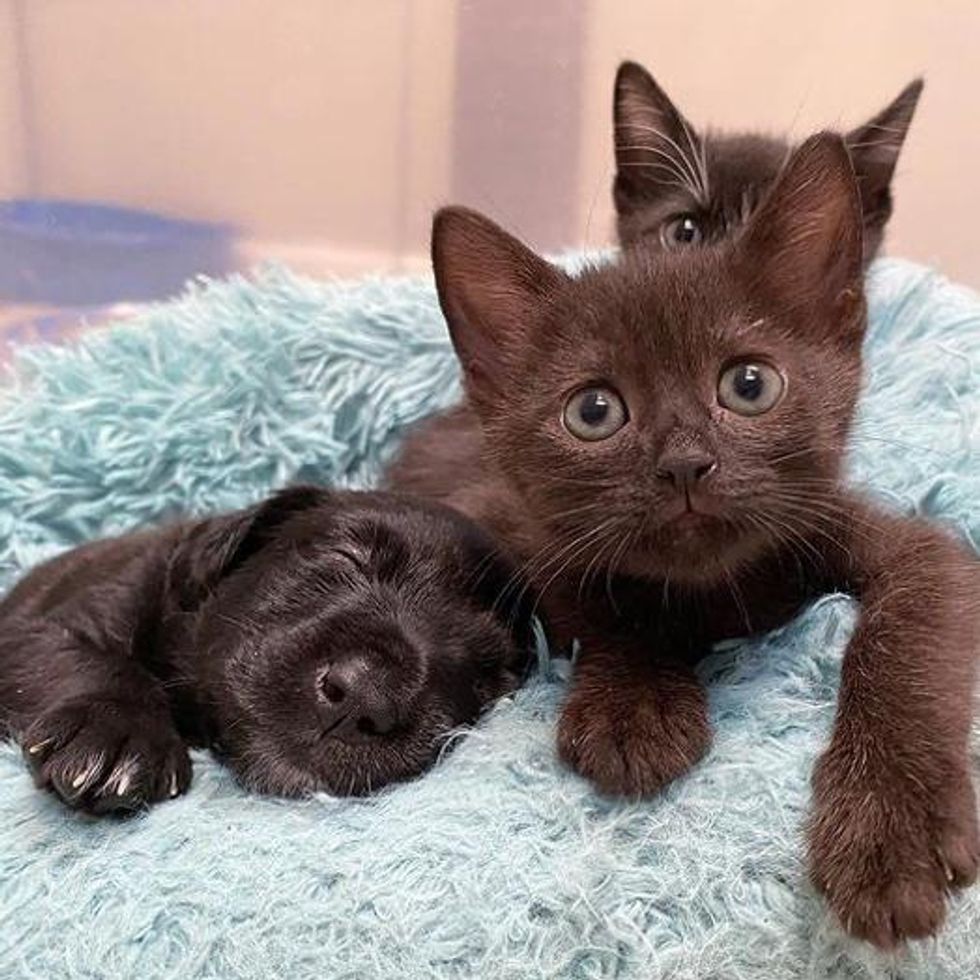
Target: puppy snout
<point x="353" y="694"/>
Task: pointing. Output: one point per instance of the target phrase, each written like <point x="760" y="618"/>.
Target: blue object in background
<point x="64" y="252"/>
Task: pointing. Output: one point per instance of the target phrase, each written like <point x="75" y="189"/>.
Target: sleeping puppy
<point x="317" y="641"/>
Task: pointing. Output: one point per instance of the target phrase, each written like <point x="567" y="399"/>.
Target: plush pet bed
<point x="498" y="863"/>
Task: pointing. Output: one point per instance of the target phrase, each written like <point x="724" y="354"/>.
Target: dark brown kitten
<point x="675" y="186"/>
<point x="660" y="441"/>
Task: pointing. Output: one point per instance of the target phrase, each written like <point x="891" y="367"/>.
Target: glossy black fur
<point x="316" y="641"/>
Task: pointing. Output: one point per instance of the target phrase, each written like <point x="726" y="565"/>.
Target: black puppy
<point x="317" y="641"/>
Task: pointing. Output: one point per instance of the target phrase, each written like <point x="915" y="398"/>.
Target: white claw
<point x="173" y="784"/>
<point x="34" y="749"/>
<point x="89" y="772"/>
<point x="121" y="777"/>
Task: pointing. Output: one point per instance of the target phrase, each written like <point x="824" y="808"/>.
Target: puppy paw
<point x="634" y="744"/>
<point x="887" y="855"/>
<point x="104" y="756"/>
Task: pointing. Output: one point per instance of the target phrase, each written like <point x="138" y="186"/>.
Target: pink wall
<point x="328" y="130"/>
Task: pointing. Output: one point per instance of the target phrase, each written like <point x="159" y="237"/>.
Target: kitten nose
<point x="351" y="699"/>
<point x="686" y="468"/>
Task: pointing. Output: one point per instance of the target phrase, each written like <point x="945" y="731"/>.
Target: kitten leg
<point x="95" y="730"/>
<point x="894" y="828"/>
<point x="632" y="724"/>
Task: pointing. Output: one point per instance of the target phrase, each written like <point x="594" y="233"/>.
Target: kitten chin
<point x="695" y="549"/>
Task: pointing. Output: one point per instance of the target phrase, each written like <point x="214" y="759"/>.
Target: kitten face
<point x="688" y="471"/>
<point x="676" y="407"/>
<point x="676" y="187"/>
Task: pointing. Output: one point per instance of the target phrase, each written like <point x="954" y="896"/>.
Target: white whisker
<point x="694" y="172"/>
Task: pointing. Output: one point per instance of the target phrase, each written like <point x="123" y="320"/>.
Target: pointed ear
<point x="874" y="149"/>
<point x="805" y="241"/>
<point x="656" y="148"/>
<point x="213" y="548"/>
<point x="492" y="290"/>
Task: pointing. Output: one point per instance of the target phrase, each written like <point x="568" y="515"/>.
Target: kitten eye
<point x="749" y="388"/>
<point x="592" y="414"/>
<point x="681" y="231"/>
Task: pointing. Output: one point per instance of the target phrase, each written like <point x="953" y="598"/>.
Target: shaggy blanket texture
<point x="498" y="863"/>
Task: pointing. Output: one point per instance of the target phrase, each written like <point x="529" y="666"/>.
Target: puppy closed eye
<point x="373" y="551"/>
<point x="352" y="556"/>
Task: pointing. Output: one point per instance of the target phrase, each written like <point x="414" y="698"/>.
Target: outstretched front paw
<point x="887" y="854"/>
<point x="632" y="743"/>
<point x="103" y="756"/>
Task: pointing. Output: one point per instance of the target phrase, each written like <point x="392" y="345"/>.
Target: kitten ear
<point x="656" y="148"/>
<point x="874" y="149"/>
<point x="805" y="241"/>
<point x="492" y="289"/>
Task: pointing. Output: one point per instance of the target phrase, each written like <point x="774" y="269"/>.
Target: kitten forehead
<point x="663" y="321"/>
<point x="660" y="298"/>
<point x="739" y="328"/>
<point x="740" y="160"/>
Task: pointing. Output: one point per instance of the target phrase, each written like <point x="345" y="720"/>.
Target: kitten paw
<point x="887" y="856"/>
<point x="104" y="756"/>
<point x="634" y="744"/>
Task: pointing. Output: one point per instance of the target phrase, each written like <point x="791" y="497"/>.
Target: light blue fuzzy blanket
<point x="498" y="863"/>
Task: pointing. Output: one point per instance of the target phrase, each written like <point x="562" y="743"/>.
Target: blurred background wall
<point x="326" y="131"/>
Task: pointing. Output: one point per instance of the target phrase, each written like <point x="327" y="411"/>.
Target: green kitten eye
<point x="750" y="388"/>
<point x="681" y="231"/>
<point x="592" y="414"/>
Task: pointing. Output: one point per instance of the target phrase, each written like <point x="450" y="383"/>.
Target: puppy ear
<point x="211" y="549"/>
<point x="874" y="149"/>
<point x="492" y="290"/>
<point x="656" y="148"/>
<point x="805" y="241"/>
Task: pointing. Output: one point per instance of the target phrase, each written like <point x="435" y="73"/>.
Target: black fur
<point x="316" y="641"/>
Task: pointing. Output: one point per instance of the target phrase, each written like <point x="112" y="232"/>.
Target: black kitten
<point x="676" y="187"/>
<point x="316" y="641"/>
<point x="661" y="440"/>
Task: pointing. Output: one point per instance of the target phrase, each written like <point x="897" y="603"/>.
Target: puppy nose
<point x="351" y="699"/>
<point x="686" y="468"/>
